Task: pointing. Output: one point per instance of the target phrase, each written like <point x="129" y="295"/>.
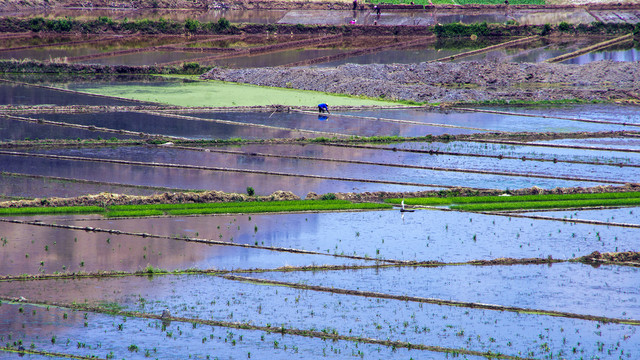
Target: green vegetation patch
<point x="240" y="207"/>
<point x="134" y="213"/>
<point x="520" y="198"/>
<point x="223" y="94"/>
<point x="487" y="203"/>
<point x="51" y="210"/>
<point x="546" y="204"/>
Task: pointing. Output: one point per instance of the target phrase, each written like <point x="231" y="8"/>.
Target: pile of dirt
<point x="107" y="199"/>
<point x="454" y="82"/>
<point x="627" y="258"/>
<point x="462" y="191"/>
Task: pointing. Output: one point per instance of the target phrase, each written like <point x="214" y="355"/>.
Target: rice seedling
<point x="51" y="210"/>
<point x="506" y="199"/>
<point x="547" y="204"/>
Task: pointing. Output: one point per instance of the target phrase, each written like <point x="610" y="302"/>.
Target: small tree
<point x="250" y="191"/>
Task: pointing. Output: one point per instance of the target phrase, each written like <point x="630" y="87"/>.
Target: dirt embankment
<point x="462" y="191"/>
<point x="631" y="258"/>
<point x="106" y="199"/>
<point x="454" y="82"/>
<point x="8" y="5"/>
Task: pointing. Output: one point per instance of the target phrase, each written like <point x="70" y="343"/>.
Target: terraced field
<point x="168" y="216"/>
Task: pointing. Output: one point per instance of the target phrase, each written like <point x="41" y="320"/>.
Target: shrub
<point x="223" y="24"/>
<point x="564" y="26"/>
<point x="36" y="24"/>
<point x="250" y="191"/>
<point x="191" y="25"/>
<point x="329" y="196"/>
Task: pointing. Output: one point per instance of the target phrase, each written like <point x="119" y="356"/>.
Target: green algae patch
<point x="224" y="94"/>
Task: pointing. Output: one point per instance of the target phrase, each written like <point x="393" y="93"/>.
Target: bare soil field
<point x="449" y="82"/>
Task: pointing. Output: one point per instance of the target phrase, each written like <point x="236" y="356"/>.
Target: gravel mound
<point x="449" y="82"/>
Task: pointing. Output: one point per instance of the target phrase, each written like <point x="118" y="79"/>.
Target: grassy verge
<point x="199" y="208"/>
<point x="240" y="207"/>
<point x="513" y="199"/>
<point x="546" y="204"/>
<point x="51" y="210"/>
<point x="526" y="202"/>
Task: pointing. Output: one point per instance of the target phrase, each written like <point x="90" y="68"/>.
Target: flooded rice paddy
<point x="239" y="51"/>
<point x="313" y="285"/>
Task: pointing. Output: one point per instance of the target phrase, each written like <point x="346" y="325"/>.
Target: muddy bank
<point x="454" y="82"/>
<point x="206" y="5"/>
<point x="107" y="199"/>
<point x="463" y="191"/>
<point x="630" y="258"/>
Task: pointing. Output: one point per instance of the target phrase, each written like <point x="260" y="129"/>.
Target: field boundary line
<point x="578" y="221"/>
<point x="77" y="42"/>
<point x="268" y="329"/>
<point x="218" y="169"/>
<point x="21" y="352"/>
<point x="488" y="48"/>
<point x="399" y="121"/>
<point x="96" y="182"/>
<point x="540" y="217"/>
<point x="326" y="39"/>
<point x="90" y="127"/>
<point x="407" y="166"/>
<point x="169" y="47"/>
<point x="559" y="146"/>
<point x="238" y="123"/>
<point x="588" y="49"/>
<point x="75" y="92"/>
<point x="434" y="301"/>
<point x="198" y="240"/>
<point x="451" y="153"/>
<point x="362" y="51"/>
<point x="499" y="112"/>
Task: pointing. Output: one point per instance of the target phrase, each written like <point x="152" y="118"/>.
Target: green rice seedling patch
<point x="546" y="204"/>
<point x="134" y="213"/>
<point x="259" y="208"/>
<point x="219" y="205"/>
<point x="463" y="2"/>
<point x="513" y="199"/>
<point x="218" y="93"/>
<point x="51" y="210"/>
<point x="239" y="207"/>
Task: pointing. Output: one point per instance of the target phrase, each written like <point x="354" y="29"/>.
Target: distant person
<point x="355" y="4"/>
<point x="506" y="2"/>
<point x="322" y="108"/>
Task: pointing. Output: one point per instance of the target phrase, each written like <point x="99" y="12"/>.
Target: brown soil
<point x="8" y="5"/>
<point x="461" y="191"/>
<point x="631" y="258"/>
<point x="106" y="199"/>
<point x="441" y="82"/>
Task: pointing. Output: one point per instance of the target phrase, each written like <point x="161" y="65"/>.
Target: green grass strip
<point x="546" y="204"/>
<point x="51" y="210"/>
<point x="245" y="204"/>
<point x="319" y="205"/>
<point x="511" y="199"/>
<point x="134" y="213"/>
